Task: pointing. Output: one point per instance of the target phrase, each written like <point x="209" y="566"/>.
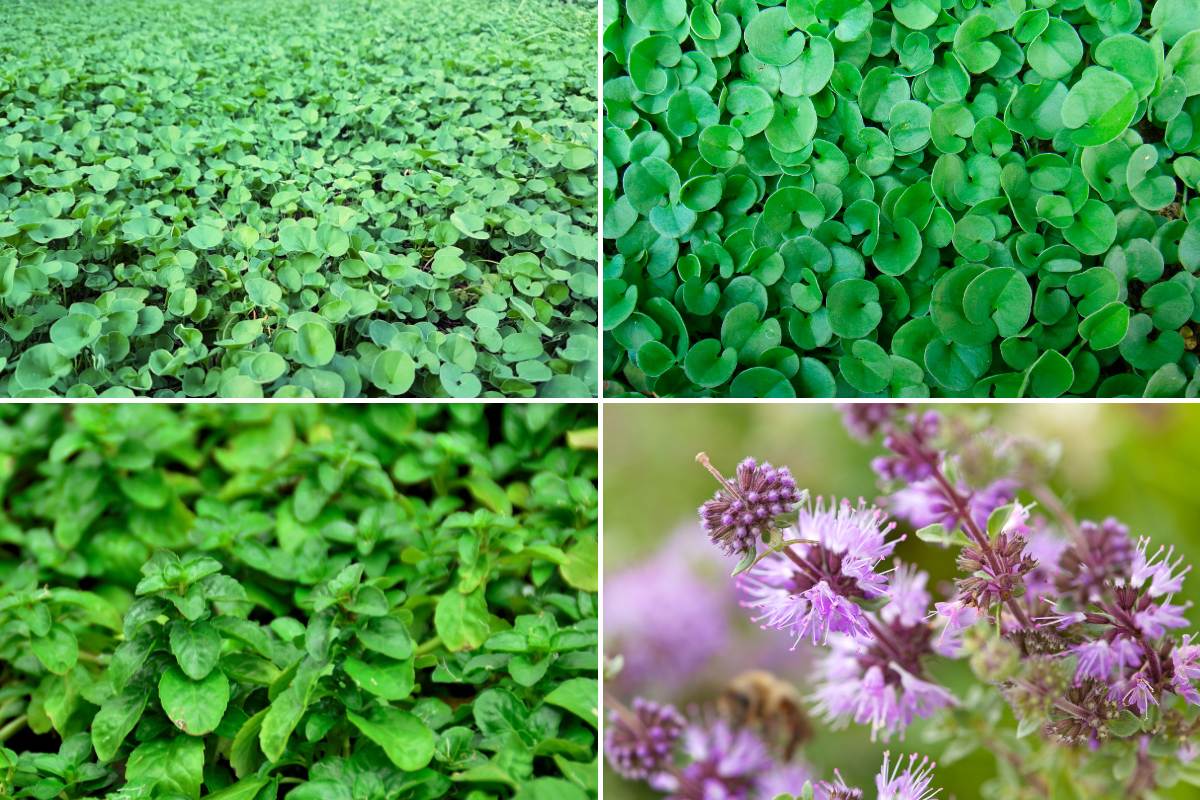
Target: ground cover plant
<point x="304" y="602"/>
<point x="292" y="198"/>
<point x="901" y="197"/>
<point x="1080" y="666"/>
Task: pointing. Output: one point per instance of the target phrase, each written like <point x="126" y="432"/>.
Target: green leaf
<point x="462" y="620"/>
<point x="286" y="710"/>
<point x="386" y="635"/>
<point x="405" y="739"/>
<point x="315" y="346"/>
<point x="390" y="680"/>
<point x="173" y="765"/>
<point x="195" y="706"/>
<point x="580" y="696"/>
<point x="116" y="718"/>
<point x="197" y="648"/>
<point x="57" y="650"/>
<point x="1099" y="107"/>
<point x="204" y="236"/>
<point x="937" y="534"/>
<point x="581" y="570"/>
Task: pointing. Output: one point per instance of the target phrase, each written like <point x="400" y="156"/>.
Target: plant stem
<point x="984" y="542"/>
<point x="429" y="646"/>
<point x="12" y="727"/>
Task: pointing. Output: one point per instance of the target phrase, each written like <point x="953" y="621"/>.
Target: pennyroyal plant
<point x="301" y="602"/>
<point x="1084" y="680"/>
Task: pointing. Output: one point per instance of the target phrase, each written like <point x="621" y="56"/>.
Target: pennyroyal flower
<point x="744" y="510"/>
<point x="640" y="741"/>
<point x="810" y="588"/>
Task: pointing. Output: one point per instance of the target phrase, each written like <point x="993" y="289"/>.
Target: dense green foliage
<point x="298" y="198"/>
<point x="304" y="602"/>
<point x="902" y="197"/>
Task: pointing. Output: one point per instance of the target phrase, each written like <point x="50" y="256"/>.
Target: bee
<point x="768" y="705"/>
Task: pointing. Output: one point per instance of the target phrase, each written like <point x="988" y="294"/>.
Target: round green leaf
<point x="854" y="308"/>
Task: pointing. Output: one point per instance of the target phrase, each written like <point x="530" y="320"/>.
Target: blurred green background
<point x="1137" y="462"/>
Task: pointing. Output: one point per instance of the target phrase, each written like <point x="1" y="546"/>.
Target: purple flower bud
<point x="914" y="456"/>
<point x="743" y="509"/>
<point x="640" y="741"/>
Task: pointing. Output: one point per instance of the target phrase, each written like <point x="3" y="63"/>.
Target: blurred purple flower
<point x="723" y="763"/>
<point x="643" y="606"/>
<point x="781" y="779"/>
<point x="640" y="741"/>
<point x="1046" y="547"/>
<point x="924" y="503"/>
<point x="1099" y="659"/>
<point x="1102" y="553"/>
<point x="957" y="616"/>
<point x="914" y="457"/>
<point x="1185" y="668"/>
<point x="864" y="420"/>
<point x="908" y="601"/>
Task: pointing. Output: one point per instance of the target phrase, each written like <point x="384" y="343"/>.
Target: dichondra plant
<point x="284" y="200"/>
<point x="906" y="198"/>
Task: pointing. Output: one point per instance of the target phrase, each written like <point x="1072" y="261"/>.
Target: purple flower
<point x="743" y="511"/>
<point x="914" y="457"/>
<point x="724" y="763"/>
<point x="640" y="741"/>
<point x="957" y="616"/>
<point x="1098" y="659"/>
<point x="1156" y="618"/>
<point x="924" y="503"/>
<point x="894" y="782"/>
<point x="995" y="575"/>
<point x="836" y="790"/>
<point x="781" y="779"/>
<point x="809" y="589"/>
<point x="1140" y="696"/>
<point x="655" y="648"/>
<point x="877" y="684"/>
<point x="905" y="782"/>
<point x="864" y="420"/>
<point x="1185" y="666"/>
<point x="1045" y="547"/>
<point x="1103" y="553"/>
<point x="1165" y="577"/>
<point x="908" y="601"/>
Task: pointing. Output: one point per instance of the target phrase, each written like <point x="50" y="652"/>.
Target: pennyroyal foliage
<point x="303" y="602"/>
<point x="901" y="197"/>
<point x="293" y="198"/>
